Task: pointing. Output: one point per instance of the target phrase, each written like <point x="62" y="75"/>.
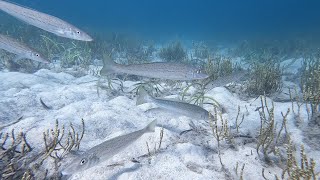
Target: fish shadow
<point x="125" y="170"/>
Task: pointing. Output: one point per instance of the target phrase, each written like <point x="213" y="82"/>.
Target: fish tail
<point x="151" y="126"/>
<point x="108" y="65"/>
<point x="143" y="97"/>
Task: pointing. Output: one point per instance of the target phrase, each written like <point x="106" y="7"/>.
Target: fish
<point x="20" y="49"/>
<point x="183" y="108"/>
<point x="44" y="21"/>
<point x="105" y="150"/>
<point x="160" y="70"/>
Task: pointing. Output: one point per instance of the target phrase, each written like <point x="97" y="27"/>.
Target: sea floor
<point x="190" y="155"/>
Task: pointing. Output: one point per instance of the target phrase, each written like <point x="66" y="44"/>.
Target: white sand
<point x="189" y="156"/>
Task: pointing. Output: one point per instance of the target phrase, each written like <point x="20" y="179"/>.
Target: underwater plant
<point x="310" y="83"/>
<point x="269" y="138"/>
<point x="112" y="86"/>
<point x="50" y="46"/>
<point x="156" y="148"/>
<point x="265" y="78"/>
<point x="76" y="54"/>
<point x="69" y="53"/>
<point x="13" y="154"/>
<point x="296" y="101"/>
<point x="219" y="66"/>
<point x="198" y="97"/>
<point x="221" y="133"/>
<point x="174" y="52"/>
<point x="241" y="172"/>
<point x="238" y="123"/>
<point x="19" y="161"/>
<point x="310" y="87"/>
<point x="295" y="170"/>
<point x="152" y="86"/>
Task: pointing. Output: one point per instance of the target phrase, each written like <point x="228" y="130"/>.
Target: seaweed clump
<point x="265" y="79"/>
<point x="174" y="52"/>
<point x="219" y="66"/>
<point x="12" y="155"/>
<point x="70" y="53"/>
<point x="295" y="170"/>
<point x="270" y="138"/>
<point x="310" y="85"/>
<point x="19" y="161"/>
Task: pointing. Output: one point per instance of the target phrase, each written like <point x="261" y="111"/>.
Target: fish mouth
<point x="86" y="37"/>
<point x="90" y="39"/>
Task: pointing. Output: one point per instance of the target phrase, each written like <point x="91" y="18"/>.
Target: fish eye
<point x="83" y="161"/>
<point x="78" y="32"/>
<point x="37" y="55"/>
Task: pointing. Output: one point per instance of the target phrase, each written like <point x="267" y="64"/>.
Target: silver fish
<point x="20" y="49"/>
<point x="182" y="108"/>
<point x="161" y="70"/>
<point x="44" y="21"/>
<point x="105" y="150"/>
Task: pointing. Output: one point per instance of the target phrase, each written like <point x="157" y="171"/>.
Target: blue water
<point x="191" y="19"/>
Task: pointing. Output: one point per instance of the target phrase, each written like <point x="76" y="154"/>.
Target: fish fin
<point x="108" y="65"/>
<point x="151" y="126"/>
<point x="143" y="97"/>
